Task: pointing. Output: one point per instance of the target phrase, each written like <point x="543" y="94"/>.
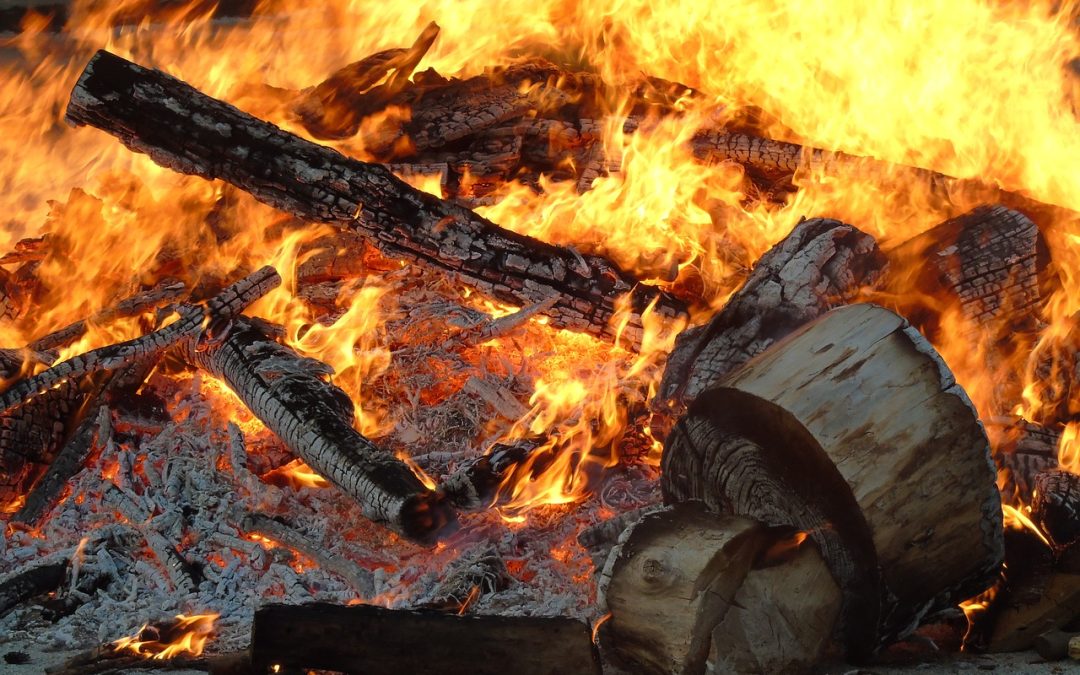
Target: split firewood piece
<point x="692" y="592"/>
<point x="360" y="579"/>
<point x="1054" y="645"/>
<point x="830" y="411"/>
<point x="990" y="259"/>
<point x="378" y="641"/>
<point x="193" y="319"/>
<point x="783" y="616"/>
<point x="186" y="130"/>
<point x="819" y="265"/>
<point x="333" y="109"/>
<point x="669" y="581"/>
<point x="1056" y="506"/>
<point x="134" y="305"/>
<point x="30" y="582"/>
<point x="315" y="421"/>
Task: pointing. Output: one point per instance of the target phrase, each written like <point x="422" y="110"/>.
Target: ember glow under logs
<point x="510" y="324"/>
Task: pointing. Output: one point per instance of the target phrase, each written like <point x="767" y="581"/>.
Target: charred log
<point x="1056" y="506"/>
<point x="314" y="419"/>
<point x="193" y="319"/>
<point x="821" y="264"/>
<point x="380" y="641"/>
<point x="190" y="132"/>
<point x="30" y="582"/>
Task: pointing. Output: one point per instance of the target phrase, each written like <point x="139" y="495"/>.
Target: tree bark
<point x="820" y="264"/>
<point x="314" y="419"/>
<point x="858" y="417"/>
<point x="185" y="130"/>
<point x="377" y="641"/>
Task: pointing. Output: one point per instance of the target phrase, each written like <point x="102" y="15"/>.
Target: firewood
<point x="600" y="538"/>
<point x="29" y="582"/>
<point x="334" y="108"/>
<point x="360" y="579"/>
<point x="782" y="617"/>
<point x="186" y="130"/>
<point x="1035" y="596"/>
<point x="376" y="641"/>
<point x="32" y="436"/>
<point x="230" y="302"/>
<point x="828" y="414"/>
<point x="669" y="581"/>
<point x="1022" y="450"/>
<point x="990" y="259"/>
<point x="820" y="264"/>
<point x="1053" y="645"/>
<point x="1056" y="506"/>
<point x="314" y="419"/>
<point x="134" y="305"/>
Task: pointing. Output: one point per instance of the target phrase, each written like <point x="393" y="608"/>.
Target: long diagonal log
<point x="185" y="130"/>
<point x="314" y="419"/>
<point x="193" y="320"/>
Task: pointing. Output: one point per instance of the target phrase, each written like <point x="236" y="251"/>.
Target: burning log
<point x="991" y="259"/>
<point x="376" y="641"/>
<point x="190" y="132"/>
<point x="683" y="582"/>
<point x="314" y="419"/>
<point x="1056" y="506"/>
<point x="820" y="264"/>
<point x="193" y="319"/>
<point x="824" y="419"/>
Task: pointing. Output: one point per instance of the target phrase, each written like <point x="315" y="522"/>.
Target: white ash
<point x="160" y="498"/>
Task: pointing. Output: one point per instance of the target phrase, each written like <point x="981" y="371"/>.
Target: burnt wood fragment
<point x="378" y="641"/>
<point x="35" y="580"/>
<point x="190" y="132"/>
<point x="1056" y="506"/>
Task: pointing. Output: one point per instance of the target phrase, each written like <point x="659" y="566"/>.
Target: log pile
<point x="828" y="484"/>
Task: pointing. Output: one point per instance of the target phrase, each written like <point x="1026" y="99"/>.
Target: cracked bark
<point x="183" y="129"/>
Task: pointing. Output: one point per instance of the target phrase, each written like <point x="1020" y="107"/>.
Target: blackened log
<point x="131" y="306"/>
<point x="378" y="641"/>
<point x="186" y="130"/>
<point x="314" y="419"/>
<point x="193" y="320"/>
<point x="31" y="582"/>
<point x="990" y="259"/>
<point x="1056" y="506"/>
<point x="821" y="264"/>
<point x="31" y="436"/>
<point x="1022" y="450"/>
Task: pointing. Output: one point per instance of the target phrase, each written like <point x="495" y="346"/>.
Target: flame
<point x="971" y="88"/>
<point x="1069" y="448"/>
<point x="186" y="634"/>
<point x="1019" y="520"/>
<point x="297" y="474"/>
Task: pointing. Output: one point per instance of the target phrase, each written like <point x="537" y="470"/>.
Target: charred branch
<point x="314" y="420"/>
<point x="190" y="132"/>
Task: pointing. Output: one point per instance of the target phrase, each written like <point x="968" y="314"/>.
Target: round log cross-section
<point x="854" y="418"/>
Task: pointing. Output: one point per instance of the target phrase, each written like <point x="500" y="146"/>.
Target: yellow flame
<point x="194" y="631"/>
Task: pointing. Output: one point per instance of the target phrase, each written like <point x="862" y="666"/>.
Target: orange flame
<point x="185" y="635"/>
